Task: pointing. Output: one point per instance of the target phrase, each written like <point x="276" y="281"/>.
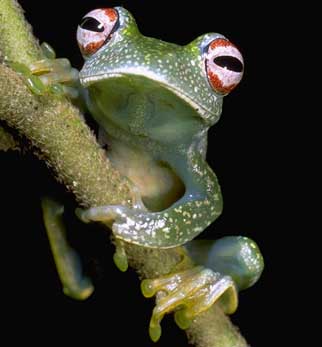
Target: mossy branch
<point x="7" y="141"/>
<point x="56" y="130"/>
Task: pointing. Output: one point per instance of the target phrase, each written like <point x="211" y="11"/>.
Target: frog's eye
<point x="224" y="65"/>
<point x="95" y="29"/>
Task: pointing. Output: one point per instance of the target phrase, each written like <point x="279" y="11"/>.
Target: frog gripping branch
<point x="154" y="102"/>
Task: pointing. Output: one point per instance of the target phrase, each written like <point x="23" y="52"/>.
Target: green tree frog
<point x="154" y="102"/>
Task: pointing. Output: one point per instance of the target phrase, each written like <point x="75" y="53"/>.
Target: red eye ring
<point x="224" y="65"/>
<point x="95" y="29"/>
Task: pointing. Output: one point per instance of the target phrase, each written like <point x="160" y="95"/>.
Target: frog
<point x="154" y="102"/>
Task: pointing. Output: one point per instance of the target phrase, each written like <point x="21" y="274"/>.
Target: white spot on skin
<point x="159" y="224"/>
<point x="130" y="222"/>
<point x="148" y="231"/>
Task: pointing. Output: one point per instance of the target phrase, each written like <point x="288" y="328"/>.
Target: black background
<point x="244" y="151"/>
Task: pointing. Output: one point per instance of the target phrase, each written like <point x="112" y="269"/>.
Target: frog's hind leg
<point x="236" y="256"/>
<point x="231" y="264"/>
<point x="68" y="264"/>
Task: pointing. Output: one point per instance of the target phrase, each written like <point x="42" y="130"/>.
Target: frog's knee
<point x="238" y="257"/>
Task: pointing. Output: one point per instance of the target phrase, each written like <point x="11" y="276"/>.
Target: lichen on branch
<point x="54" y="127"/>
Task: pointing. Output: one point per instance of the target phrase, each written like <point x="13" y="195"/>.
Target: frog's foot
<point x="108" y="215"/>
<point x="49" y="74"/>
<point x="188" y="293"/>
<point x="105" y="214"/>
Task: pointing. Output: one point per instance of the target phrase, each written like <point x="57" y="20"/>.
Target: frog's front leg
<point x="49" y="74"/>
<point x="176" y="225"/>
<point x="232" y="264"/>
<point x="68" y="264"/>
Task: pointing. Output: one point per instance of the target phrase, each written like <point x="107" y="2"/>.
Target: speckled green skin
<point x="236" y="256"/>
<point x="155" y="97"/>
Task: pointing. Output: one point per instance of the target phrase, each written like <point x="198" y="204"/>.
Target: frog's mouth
<point x="150" y="82"/>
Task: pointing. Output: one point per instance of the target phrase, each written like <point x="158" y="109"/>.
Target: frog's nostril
<point x="229" y="62"/>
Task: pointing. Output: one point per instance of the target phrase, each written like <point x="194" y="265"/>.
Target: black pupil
<point x="229" y="62"/>
<point x="90" y="23"/>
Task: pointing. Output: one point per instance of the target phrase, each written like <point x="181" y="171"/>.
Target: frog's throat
<point x="208" y="116"/>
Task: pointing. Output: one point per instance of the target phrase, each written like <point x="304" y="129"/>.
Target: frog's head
<point x="179" y="81"/>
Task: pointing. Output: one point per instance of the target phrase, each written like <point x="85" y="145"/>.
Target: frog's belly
<point x="159" y="186"/>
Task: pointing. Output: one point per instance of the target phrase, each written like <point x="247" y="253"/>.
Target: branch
<point x="7" y="141"/>
<point x="65" y="142"/>
<point x="56" y="129"/>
